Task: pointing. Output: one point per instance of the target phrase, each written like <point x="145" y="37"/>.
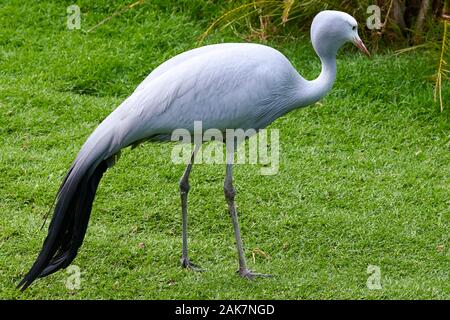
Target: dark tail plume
<point x="72" y="211"/>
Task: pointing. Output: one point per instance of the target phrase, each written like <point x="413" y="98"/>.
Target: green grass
<point x="364" y="177"/>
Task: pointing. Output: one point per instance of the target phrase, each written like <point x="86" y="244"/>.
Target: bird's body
<point x="225" y="86"/>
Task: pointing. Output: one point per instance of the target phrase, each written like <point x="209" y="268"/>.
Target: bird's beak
<point x="358" y="42"/>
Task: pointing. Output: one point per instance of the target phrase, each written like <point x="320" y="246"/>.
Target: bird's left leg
<point x="184" y="190"/>
<point x="230" y="193"/>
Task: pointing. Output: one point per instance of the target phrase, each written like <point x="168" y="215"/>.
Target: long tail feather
<point x="72" y="210"/>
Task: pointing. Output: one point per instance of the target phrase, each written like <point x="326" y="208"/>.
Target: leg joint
<point x="184" y="186"/>
<point x="230" y="191"/>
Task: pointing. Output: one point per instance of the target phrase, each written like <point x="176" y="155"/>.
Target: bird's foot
<point x="250" y="275"/>
<point x="185" y="263"/>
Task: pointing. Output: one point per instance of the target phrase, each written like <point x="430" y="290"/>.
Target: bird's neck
<point x="316" y="89"/>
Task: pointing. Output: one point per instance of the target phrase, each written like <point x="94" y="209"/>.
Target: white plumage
<point x="226" y="86"/>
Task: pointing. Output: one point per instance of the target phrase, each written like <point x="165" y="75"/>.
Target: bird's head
<point x="332" y="29"/>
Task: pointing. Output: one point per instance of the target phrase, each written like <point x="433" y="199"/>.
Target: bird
<point x="225" y="86"/>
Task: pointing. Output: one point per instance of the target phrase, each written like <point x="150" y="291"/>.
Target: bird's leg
<point x="230" y="193"/>
<point x="184" y="190"/>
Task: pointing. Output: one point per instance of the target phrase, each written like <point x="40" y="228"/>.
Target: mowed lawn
<point x="364" y="177"/>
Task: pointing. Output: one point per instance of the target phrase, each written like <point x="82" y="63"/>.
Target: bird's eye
<point x="354" y="28"/>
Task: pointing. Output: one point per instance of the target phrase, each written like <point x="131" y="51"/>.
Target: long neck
<point x="305" y="92"/>
<point x="316" y="89"/>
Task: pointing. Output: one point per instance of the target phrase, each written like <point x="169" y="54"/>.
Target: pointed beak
<point x="358" y="42"/>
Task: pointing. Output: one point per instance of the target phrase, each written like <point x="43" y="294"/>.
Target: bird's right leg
<point x="184" y="190"/>
<point x="230" y="193"/>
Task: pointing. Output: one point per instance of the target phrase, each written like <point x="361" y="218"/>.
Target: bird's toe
<point x="250" y="275"/>
<point x="185" y="263"/>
